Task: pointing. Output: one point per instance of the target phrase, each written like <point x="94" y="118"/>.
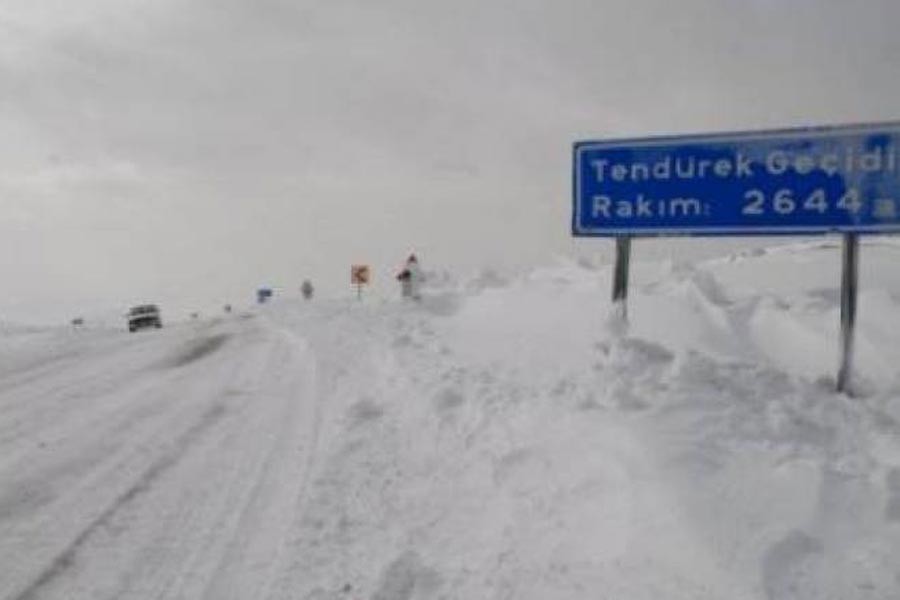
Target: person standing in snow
<point x="307" y="289"/>
<point x="410" y="278"/>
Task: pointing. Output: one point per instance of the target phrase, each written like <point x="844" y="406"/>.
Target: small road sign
<point x="359" y="274"/>
<point x="793" y="181"/>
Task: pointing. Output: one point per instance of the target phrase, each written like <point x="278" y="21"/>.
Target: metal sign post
<point x="820" y="180"/>
<point x="620" y="278"/>
<point x="849" y="280"/>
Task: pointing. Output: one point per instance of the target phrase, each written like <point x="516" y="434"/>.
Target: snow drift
<point x="496" y="440"/>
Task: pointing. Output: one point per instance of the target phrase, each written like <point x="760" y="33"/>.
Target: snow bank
<point x="498" y="439"/>
<point x="513" y="446"/>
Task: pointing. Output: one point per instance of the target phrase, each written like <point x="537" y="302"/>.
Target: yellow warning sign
<point x="359" y="274"/>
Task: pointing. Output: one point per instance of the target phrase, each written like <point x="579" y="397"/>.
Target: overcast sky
<point x="187" y="151"/>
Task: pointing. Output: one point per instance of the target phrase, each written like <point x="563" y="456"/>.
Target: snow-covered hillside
<point x="498" y="440"/>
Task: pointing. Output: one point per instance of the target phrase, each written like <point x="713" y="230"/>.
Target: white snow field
<point x="498" y="440"/>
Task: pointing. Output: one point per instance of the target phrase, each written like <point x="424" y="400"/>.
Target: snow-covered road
<point x="162" y="465"/>
<point x="495" y="441"/>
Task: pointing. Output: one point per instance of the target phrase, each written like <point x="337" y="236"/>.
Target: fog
<point x="188" y="152"/>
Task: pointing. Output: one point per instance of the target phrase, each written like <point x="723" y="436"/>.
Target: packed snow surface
<point x="500" y="439"/>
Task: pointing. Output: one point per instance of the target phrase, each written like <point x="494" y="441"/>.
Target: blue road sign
<point x="789" y="181"/>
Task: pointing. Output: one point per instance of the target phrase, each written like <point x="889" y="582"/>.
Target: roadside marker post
<point x="806" y="181"/>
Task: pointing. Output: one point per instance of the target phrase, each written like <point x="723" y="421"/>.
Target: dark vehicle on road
<point x="144" y="316"/>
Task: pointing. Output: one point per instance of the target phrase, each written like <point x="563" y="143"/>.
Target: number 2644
<point x="785" y="202"/>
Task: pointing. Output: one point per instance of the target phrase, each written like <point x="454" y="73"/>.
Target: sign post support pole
<point x="620" y="277"/>
<point x="849" y="280"/>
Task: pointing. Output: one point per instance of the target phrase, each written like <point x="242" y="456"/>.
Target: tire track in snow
<point x="198" y="350"/>
<point x="115" y="423"/>
<point x="248" y="565"/>
<point x="53" y="399"/>
<point x="67" y="558"/>
<point x="215" y="527"/>
<point x="167" y="545"/>
<point x="52" y="366"/>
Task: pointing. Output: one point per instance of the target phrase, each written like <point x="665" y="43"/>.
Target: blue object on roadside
<point x="792" y="181"/>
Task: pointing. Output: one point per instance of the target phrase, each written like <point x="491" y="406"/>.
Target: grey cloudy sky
<point x="186" y="151"/>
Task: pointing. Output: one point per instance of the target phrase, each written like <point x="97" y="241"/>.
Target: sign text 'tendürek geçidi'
<point x="788" y="181"/>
